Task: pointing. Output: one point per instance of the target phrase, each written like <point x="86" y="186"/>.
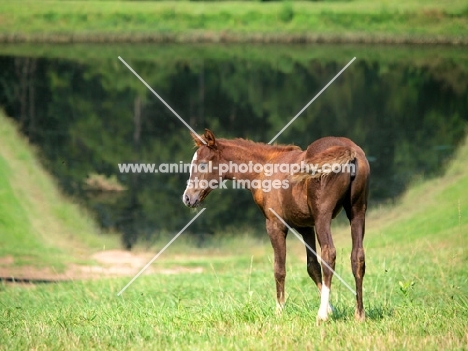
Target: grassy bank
<point x="399" y="21"/>
<point x="415" y="291"/>
<point x="38" y="226"/>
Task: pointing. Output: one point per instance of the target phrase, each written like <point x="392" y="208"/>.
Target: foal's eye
<point x="202" y="166"/>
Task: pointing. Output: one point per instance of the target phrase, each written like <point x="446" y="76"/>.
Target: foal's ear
<point x="196" y="139"/>
<point x="209" y="138"/>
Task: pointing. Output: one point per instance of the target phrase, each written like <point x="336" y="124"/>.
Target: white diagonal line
<point x="311" y="101"/>
<point x="302" y="241"/>
<point x="160" y="98"/>
<point x="160" y="252"/>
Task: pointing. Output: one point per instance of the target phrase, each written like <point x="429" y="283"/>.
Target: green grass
<point x="38" y="226"/>
<point x="415" y="290"/>
<point x="184" y="21"/>
<point x="232" y="307"/>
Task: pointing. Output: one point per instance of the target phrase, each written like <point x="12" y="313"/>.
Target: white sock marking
<point x="324" y="303"/>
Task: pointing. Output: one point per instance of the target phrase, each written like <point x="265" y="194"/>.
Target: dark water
<point x="407" y="108"/>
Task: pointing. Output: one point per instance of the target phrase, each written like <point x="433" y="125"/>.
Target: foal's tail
<point x="334" y="159"/>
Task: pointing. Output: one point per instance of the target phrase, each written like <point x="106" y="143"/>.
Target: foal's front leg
<point x="277" y="232"/>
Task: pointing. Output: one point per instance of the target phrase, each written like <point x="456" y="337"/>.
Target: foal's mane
<point x="258" y="146"/>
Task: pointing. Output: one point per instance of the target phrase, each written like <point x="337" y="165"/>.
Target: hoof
<point x="360" y="317"/>
<point x="322" y="316"/>
<point x="321" y="319"/>
<point x="279" y="309"/>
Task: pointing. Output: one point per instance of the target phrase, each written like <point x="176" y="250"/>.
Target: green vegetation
<point x="281" y="55"/>
<point x="406" y="106"/>
<point x="229" y="21"/>
<point x="38" y="226"/>
<point x="415" y="292"/>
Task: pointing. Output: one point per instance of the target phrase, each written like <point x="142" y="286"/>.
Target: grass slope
<point x="38" y="226"/>
<point x="416" y="292"/>
<point x="185" y="21"/>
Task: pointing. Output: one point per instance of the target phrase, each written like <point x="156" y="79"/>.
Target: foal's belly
<point x="295" y="208"/>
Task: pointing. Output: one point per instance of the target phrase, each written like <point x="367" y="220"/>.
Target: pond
<point x="407" y="107"/>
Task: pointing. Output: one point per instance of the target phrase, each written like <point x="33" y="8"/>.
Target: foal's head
<point x="204" y="175"/>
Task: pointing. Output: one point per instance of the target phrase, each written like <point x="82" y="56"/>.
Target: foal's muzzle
<point x="192" y="200"/>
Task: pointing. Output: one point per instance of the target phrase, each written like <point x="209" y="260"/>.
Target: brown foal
<point x="307" y="189"/>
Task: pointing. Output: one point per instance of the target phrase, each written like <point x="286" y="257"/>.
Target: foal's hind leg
<point x="313" y="266"/>
<point x="356" y="213"/>
<point x="358" y="261"/>
<point x="277" y="232"/>
<point x="328" y="252"/>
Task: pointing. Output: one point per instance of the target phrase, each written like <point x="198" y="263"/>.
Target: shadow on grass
<point x="32" y="281"/>
<point x="375" y="313"/>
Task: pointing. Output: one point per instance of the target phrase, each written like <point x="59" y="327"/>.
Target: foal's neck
<point x="241" y="152"/>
